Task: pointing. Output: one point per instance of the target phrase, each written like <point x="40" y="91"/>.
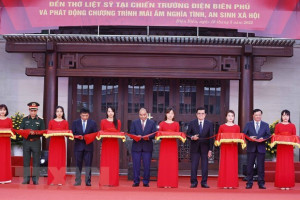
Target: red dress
<point x="285" y="170"/>
<point x="57" y="154"/>
<point x="228" y="171"/>
<point x="168" y="158"/>
<point x="5" y="155"/>
<point x="109" y="159"/>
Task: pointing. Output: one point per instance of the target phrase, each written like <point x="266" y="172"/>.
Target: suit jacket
<point x="136" y="129"/>
<point x="264" y="132"/>
<point x="207" y="131"/>
<point x="91" y="127"/>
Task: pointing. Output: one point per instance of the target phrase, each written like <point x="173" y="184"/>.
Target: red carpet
<point x="16" y="191"/>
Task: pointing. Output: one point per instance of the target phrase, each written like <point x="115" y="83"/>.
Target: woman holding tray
<point x="168" y="154"/>
<point x="109" y="160"/>
<point x="285" y="171"/>
<point x="228" y="171"/>
<point x="57" y="149"/>
<point x="5" y="157"/>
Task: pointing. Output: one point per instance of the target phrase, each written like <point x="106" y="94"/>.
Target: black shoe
<point x="77" y="184"/>
<point x="248" y="186"/>
<point x="204" y="186"/>
<point x="262" y="187"/>
<point x="193" y="185"/>
<point x="25" y="182"/>
<point x="146" y="184"/>
<point x="88" y="184"/>
<point x="35" y="182"/>
<point x="135" y="185"/>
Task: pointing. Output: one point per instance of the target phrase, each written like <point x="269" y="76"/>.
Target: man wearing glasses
<point x="200" y="129"/>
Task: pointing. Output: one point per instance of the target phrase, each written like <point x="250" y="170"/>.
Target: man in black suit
<point x="83" y="152"/>
<point x="142" y="150"/>
<point x="198" y="129"/>
<point x="256" y="129"/>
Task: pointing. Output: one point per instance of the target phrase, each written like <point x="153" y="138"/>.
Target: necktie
<point x="257" y="127"/>
<point x="143" y="125"/>
<point x="83" y="126"/>
<point x="200" y="127"/>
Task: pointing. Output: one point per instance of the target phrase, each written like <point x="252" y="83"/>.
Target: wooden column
<point x="245" y="97"/>
<point x="50" y="86"/>
<point x="246" y="87"/>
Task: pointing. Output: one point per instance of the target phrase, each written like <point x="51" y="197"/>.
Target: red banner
<point x="286" y="140"/>
<point x="111" y="134"/>
<point x="231" y="138"/>
<point x="170" y="135"/>
<point x="58" y="133"/>
<point x="276" y="18"/>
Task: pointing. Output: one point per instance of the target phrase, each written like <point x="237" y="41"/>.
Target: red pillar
<point x="50" y="86"/>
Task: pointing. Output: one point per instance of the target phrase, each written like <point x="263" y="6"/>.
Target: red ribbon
<point x="188" y="136"/>
<point x="257" y="140"/>
<point x="89" y="138"/>
<point x="230" y="136"/>
<point x="138" y="138"/>
<point x="6" y="132"/>
<point x="246" y="136"/>
<point x="285" y="138"/>
<point x="5" y="135"/>
<point x="111" y="133"/>
<point x="80" y="137"/>
<point x="26" y="132"/>
<point x="134" y="137"/>
<point x="59" y="133"/>
<point x="170" y="133"/>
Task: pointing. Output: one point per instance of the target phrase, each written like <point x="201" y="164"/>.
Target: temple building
<point x="152" y="67"/>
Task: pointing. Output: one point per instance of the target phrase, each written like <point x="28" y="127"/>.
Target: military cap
<point x="33" y="105"/>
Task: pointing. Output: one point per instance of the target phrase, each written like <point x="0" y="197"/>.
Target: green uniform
<point x="32" y="145"/>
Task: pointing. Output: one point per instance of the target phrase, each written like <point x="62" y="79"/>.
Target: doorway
<point x="128" y="95"/>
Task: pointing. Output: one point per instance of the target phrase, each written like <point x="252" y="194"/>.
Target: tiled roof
<point x="144" y="39"/>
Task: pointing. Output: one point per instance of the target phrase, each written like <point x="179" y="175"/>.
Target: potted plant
<point x="16" y="145"/>
<point x="271" y="151"/>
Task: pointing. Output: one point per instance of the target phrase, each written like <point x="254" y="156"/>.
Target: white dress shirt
<point x="84" y="124"/>
<point x="143" y="122"/>
<point x="255" y="124"/>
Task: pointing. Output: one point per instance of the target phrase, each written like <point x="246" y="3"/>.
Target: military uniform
<point x="32" y="145"/>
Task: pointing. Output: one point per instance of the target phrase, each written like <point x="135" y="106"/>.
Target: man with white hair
<point x="143" y="148"/>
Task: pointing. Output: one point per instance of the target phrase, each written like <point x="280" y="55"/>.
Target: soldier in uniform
<point x="32" y="144"/>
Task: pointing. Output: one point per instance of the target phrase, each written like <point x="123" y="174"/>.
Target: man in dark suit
<point x="83" y="152"/>
<point x="198" y="129"/>
<point x="256" y="129"/>
<point x="143" y="148"/>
